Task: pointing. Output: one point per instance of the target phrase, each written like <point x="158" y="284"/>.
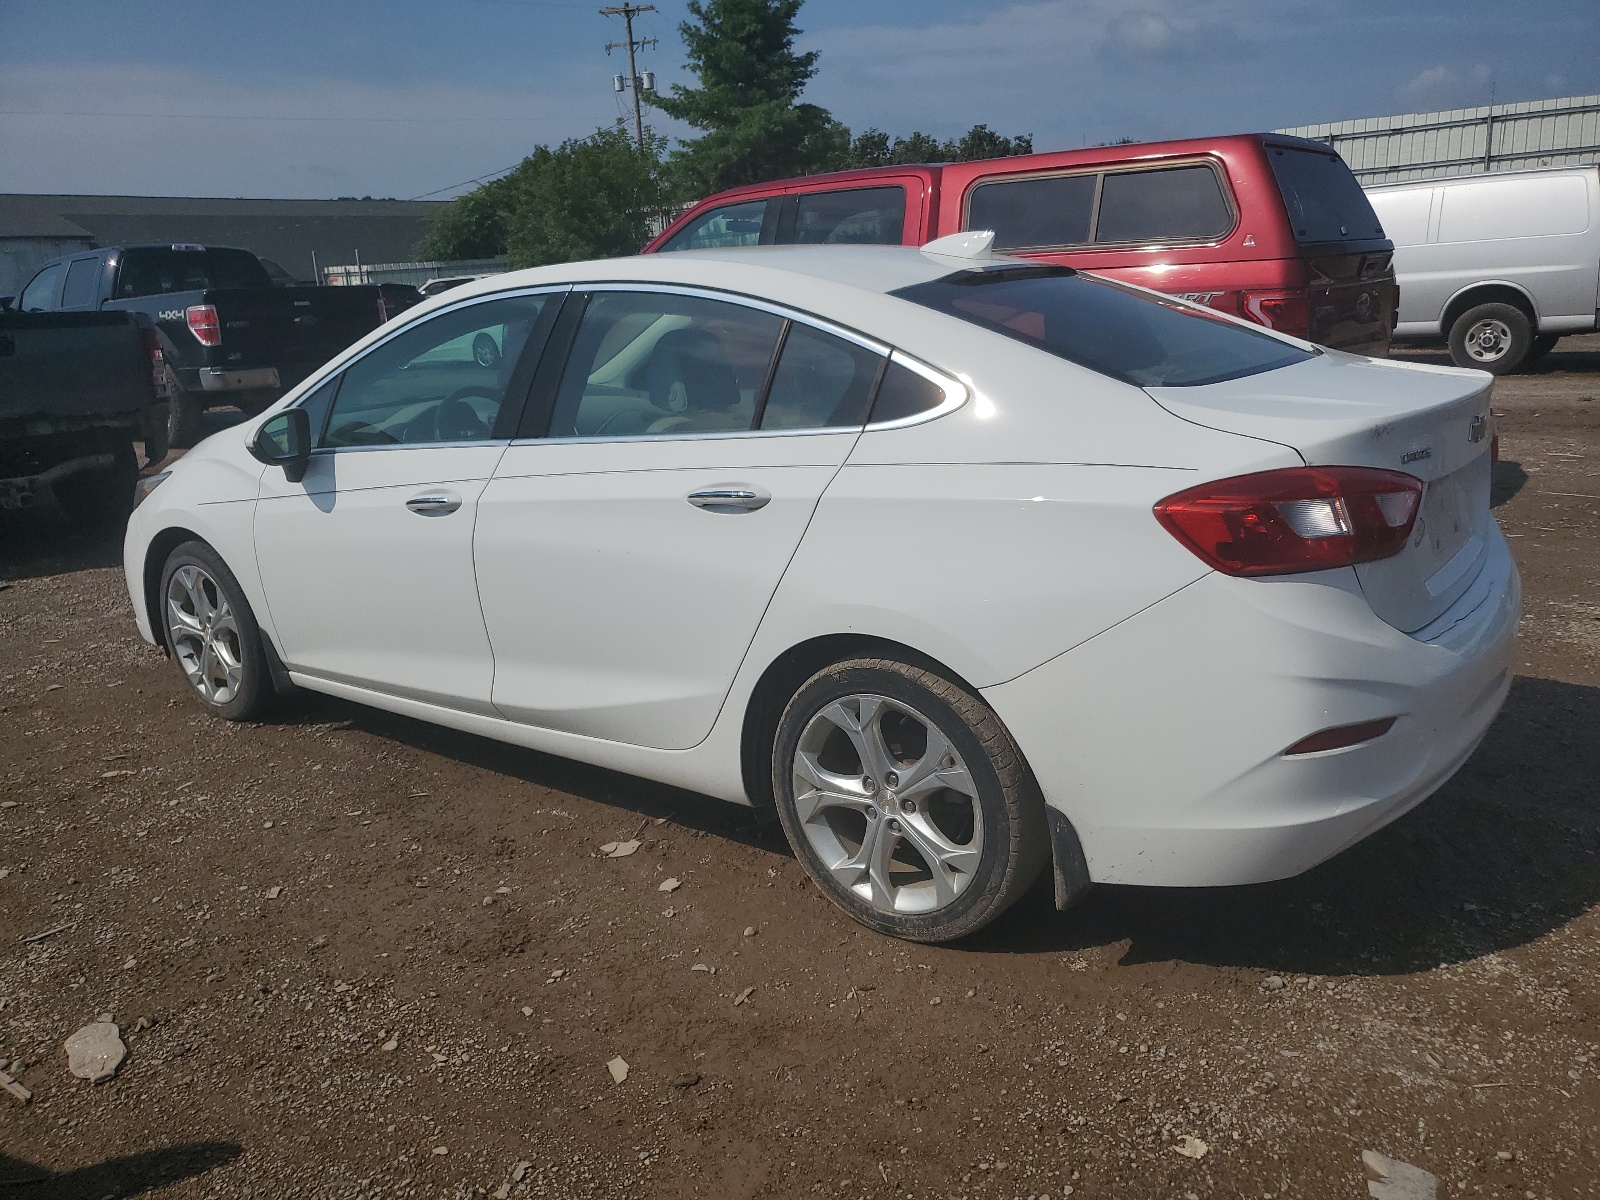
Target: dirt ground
<point x="380" y="959"/>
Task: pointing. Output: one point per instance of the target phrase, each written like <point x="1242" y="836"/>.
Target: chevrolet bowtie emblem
<point x="1478" y="429"/>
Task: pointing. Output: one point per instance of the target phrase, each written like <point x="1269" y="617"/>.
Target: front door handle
<point x="732" y="498"/>
<point x="438" y="505"/>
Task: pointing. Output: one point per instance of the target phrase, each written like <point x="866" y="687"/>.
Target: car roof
<point x="756" y="270"/>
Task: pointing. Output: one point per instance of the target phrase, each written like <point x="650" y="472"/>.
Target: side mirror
<point x="285" y="441"/>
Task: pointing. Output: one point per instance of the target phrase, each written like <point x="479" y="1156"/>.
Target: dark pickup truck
<point x="76" y="391"/>
<point x="228" y="336"/>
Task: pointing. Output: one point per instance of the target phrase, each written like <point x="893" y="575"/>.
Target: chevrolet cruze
<point x="963" y="564"/>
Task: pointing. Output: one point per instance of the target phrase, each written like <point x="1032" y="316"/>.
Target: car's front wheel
<point x="906" y="800"/>
<point x="212" y="633"/>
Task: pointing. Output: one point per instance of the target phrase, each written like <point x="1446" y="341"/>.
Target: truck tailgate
<point x="279" y="326"/>
<point x="72" y="365"/>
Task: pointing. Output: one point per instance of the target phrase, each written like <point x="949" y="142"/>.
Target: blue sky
<point x="406" y="97"/>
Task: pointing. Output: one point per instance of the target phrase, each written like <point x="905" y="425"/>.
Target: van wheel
<point x="906" y="800"/>
<point x="1491" y="337"/>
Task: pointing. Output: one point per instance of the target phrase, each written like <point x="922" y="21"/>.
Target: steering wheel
<point x="454" y="420"/>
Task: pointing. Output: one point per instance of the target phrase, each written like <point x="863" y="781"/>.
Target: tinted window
<point x="647" y="364"/>
<point x="731" y="225"/>
<point x="1324" y="201"/>
<point x="1104" y="326"/>
<point x="1034" y="212"/>
<point x="1160" y="206"/>
<point x="153" y="271"/>
<point x="443" y="380"/>
<point x="822" y="381"/>
<point x="82" y="276"/>
<point x="40" y="293"/>
<point x="317" y="405"/>
<point x="859" y="216"/>
<point x="905" y="393"/>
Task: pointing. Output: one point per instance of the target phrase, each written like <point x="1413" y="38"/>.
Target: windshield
<point x="1126" y="334"/>
<point x="1324" y="201"/>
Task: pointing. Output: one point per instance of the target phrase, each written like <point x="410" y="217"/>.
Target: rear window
<point x="157" y="270"/>
<point x="1126" y="334"/>
<point x="856" y="216"/>
<point x="1166" y="204"/>
<point x="1324" y="201"/>
<point x="1055" y="211"/>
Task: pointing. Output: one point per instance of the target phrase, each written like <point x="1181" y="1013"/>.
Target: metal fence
<point x="1464" y="141"/>
<point x="411" y="272"/>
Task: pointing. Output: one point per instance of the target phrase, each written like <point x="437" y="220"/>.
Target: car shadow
<point x="131" y="1175"/>
<point x="1509" y="479"/>
<point x="40" y="541"/>
<point x="1503" y="854"/>
<point x="648" y="799"/>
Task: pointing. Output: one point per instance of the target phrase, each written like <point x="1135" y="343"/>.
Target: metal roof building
<point x="35" y="228"/>
<point x="1466" y="141"/>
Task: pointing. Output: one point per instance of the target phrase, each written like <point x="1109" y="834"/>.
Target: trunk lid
<point x="1343" y="410"/>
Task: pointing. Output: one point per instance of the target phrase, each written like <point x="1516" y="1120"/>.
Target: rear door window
<point x="854" y="216"/>
<point x="1054" y="211"/>
<point x="821" y="382"/>
<point x="81" y="290"/>
<point x="156" y="270"/>
<point x="1162" y="206"/>
<point x="40" y="294"/>
<point x="1126" y="334"/>
<point x="720" y="228"/>
<point x="653" y="364"/>
<point x="1323" y="199"/>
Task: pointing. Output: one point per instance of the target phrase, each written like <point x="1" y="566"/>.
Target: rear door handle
<point x="731" y="498"/>
<point x="440" y="504"/>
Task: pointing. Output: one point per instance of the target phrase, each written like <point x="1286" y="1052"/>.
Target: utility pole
<point x="634" y="83"/>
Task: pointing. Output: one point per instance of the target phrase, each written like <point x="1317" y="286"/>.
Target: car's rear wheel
<point x="906" y="800"/>
<point x="1491" y="337"/>
<point x="212" y="633"/>
<point x="1542" y="345"/>
<point x="185" y="412"/>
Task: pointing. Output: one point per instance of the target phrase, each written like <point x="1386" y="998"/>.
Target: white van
<point x="1502" y="265"/>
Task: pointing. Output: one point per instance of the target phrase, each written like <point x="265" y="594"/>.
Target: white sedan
<point x="961" y="563"/>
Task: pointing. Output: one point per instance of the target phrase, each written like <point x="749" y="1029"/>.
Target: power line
<point x="627" y="12"/>
<point x="464" y="182"/>
<point x="14" y="112"/>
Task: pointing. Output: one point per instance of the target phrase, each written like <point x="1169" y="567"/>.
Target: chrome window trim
<point x="956" y="394"/>
<point x="320" y="450"/>
<point x="402" y="325"/>
<point x="719" y="436"/>
<point x="730" y="297"/>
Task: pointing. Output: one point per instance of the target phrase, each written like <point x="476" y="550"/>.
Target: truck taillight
<point x="383" y="310"/>
<point x="158" y="360"/>
<point x="1287" y="312"/>
<point x="1296" y="519"/>
<point x="203" y="324"/>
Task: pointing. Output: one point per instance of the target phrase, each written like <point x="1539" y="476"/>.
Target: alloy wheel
<point x="887" y="804"/>
<point x="205" y="634"/>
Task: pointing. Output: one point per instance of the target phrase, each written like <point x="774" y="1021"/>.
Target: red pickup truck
<point x="1271" y="228"/>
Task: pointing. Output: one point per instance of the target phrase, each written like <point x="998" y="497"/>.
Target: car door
<point x="632" y="537"/>
<point x="367" y="561"/>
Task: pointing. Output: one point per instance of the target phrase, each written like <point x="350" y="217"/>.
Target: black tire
<point x="153" y="433"/>
<point x="1491" y="337"/>
<point x="1543" y="343"/>
<point x="184" y="412"/>
<point x="254" y="692"/>
<point x="1014" y="837"/>
<point x="101" y="499"/>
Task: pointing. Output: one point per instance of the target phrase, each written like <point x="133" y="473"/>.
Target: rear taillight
<point x="158" y="361"/>
<point x="1494" y="442"/>
<point x="383" y="311"/>
<point x="203" y="324"/>
<point x="1296" y="519"/>
<point x="1287" y="312"/>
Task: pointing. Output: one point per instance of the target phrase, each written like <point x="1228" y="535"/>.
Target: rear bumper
<point x="1162" y="739"/>
<point x="219" y="379"/>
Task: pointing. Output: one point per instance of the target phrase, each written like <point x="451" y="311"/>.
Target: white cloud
<point x="1430" y="82"/>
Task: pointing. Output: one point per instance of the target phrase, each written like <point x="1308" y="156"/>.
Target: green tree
<point x="748" y="101"/>
<point x="874" y="148"/>
<point x="590" y="197"/>
<point x="473" y="225"/>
